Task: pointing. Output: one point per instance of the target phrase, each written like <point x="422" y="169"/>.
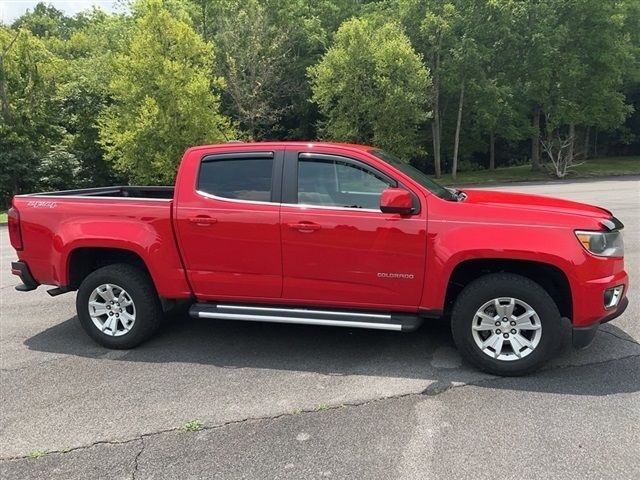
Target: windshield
<point x="416" y="175"/>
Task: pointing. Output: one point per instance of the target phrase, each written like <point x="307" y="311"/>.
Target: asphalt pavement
<point x="298" y="402"/>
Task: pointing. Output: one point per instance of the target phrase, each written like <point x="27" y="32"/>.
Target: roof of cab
<point x="281" y="144"/>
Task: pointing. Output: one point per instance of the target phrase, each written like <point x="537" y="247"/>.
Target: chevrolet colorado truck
<point x="326" y="234"/>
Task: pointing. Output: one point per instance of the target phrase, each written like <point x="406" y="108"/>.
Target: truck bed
<point x="155" y="192"/>
<point x="60" y="230"/>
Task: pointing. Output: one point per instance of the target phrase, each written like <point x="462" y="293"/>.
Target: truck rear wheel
<point x="118" y="306"/>
<point x="505" y="324"/>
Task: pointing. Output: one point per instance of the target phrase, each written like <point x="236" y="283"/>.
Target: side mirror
<point x="396" y="200"/>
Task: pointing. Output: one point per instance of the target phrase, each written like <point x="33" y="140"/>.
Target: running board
<point x="400" y="322"/>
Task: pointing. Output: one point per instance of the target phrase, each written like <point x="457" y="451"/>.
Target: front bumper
<point x="583" y="336"/>
<point x="22" y="270"/>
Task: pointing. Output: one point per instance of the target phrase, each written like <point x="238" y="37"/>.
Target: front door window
<point x="336" y="183"/>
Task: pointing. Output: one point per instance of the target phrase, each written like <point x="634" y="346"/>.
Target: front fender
<point x="451" y="243"/>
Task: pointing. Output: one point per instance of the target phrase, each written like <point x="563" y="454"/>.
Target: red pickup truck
<point x="326" y="234"/>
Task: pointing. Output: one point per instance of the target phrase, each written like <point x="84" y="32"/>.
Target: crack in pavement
<point x="137" y="457"/>
<point x="619" y="337"/>
<point x="429" y="391"/>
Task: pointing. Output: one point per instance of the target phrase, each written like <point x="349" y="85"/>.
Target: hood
<point x="535" y="203"/>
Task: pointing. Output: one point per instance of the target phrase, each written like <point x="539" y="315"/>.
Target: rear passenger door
<point x="228" y="226"/>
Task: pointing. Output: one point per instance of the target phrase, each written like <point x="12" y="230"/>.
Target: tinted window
<point x="242" y="178"/>
<point x="416" y="175"/>
<point x="338" y="184"/>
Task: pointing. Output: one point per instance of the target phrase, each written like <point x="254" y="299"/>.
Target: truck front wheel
<point x="118" y="306"/>
<point x="505" y="324"/>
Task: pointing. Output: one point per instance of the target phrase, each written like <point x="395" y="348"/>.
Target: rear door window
<point x="242" y="178"/>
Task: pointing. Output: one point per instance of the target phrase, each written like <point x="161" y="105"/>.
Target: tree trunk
<point x="595" y="144"/>
<point x="204" y="20"/>
<point x="586" y="142"/>
<point x="454" y="167"/>
<point x="572" y="142"/>
<point x="435" y="126"/>
<point x="492" y="151"/>
<point x="535" y="141"/>
<point x="436" y="146"/>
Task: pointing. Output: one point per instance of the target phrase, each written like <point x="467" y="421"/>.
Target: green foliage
<point x="89" y="57"/>
<point x="371" y="87"/>
<point x="45" y="21"/>
<point x="36" y="454"/>
<point x="58" y="169"/>
<point x="162" y="98"/>
<point x="192" y="426"/>
<point x="582" y="64"/>
<point x="28" y="109"/>
<point x="254" y="55"/>
<point x="101" y="99"/>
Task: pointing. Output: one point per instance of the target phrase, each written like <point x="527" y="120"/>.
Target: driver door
<point x="338" y="248"/>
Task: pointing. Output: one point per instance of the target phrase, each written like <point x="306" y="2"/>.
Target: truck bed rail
<point x="140" y="192"/>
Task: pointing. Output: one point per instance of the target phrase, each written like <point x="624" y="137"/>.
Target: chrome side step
<point x="308" y="316"/>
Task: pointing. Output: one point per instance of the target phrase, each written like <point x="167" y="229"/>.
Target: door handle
<point x="305" y="227"/>
<point x="203" y="221"/>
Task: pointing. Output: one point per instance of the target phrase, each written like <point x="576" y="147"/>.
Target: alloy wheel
<point x="112" y="310"/>
<point x="506" y="329"/>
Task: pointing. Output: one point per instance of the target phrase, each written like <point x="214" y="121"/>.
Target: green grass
<point x="192" y="426"/>
<point x="597" y="167"/>
<point x="36" y="454"/>
<point x="3" y="217"/>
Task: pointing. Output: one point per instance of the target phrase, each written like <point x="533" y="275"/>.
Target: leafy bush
<point x="58" y="170"/>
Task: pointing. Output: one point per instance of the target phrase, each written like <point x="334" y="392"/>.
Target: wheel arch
<point x="82" y="261"/>
<point x="551" y="278"/>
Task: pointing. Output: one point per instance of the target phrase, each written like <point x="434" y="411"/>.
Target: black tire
<point x="487" y="288"/>
<point x="139" y="287"/>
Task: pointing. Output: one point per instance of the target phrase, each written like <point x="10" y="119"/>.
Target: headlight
<point x="605" y="244"/>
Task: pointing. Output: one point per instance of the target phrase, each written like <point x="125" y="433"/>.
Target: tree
<point x="584" y="85"/>
<point x="163" y="98"/>
<point x="116" y="97"/>
<point x="58" y="170"/>
<point x="314" y="27"/>
<point x="498" y="113"/>
<point x="90" y="53"/>
<point x="253" y="55"/>
<point x="45" y="21"/>
<point x="264" y="49"/>
<point x="534" y="33"/>
<point x="434" y="29"/>
<point x="497" y="109"/>
<point x="28" y="109"/>
<point x="466" y="60"/>
<point x="370" y="87"/>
